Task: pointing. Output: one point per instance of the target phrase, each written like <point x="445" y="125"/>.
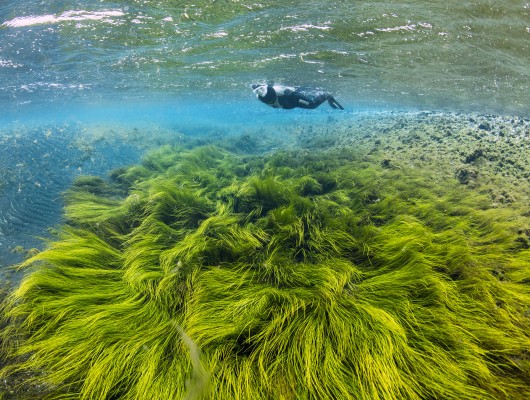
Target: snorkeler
<point x="278" y="96"/>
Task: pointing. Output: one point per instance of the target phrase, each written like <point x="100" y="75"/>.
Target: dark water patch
<point x="36" y="166"/>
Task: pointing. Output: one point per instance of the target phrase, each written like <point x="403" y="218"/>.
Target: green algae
<point x="291" y="276"/>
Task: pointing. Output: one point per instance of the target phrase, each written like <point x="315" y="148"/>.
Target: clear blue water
<point x="183" y="67"/>
<point x="451" y="55"/>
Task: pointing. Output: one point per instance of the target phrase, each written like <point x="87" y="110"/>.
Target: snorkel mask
<point x="260" y="90"/>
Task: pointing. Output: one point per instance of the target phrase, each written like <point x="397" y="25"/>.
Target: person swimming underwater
<point x="287" y="97"/>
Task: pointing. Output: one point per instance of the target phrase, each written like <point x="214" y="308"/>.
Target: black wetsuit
<point x="288" y="97"/>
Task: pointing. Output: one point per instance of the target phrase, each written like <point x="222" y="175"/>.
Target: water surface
<point x="451" y="55"/>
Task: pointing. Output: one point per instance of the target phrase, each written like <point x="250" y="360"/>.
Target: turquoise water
<point x="450" y="55"/>
<point x="150" y="71"/>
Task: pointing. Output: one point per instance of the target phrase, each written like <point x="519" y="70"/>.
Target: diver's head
<point x="260" y="90"/>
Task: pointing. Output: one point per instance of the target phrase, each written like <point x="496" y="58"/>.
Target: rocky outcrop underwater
<point x="201" y="274"/>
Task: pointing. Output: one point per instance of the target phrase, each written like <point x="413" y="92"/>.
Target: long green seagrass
<point x="285" y="277"/>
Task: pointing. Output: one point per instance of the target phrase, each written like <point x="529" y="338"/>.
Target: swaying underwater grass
<point x="285" y="277"/>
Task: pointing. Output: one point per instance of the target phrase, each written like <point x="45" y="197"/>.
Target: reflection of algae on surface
<point x="297" y="276"/>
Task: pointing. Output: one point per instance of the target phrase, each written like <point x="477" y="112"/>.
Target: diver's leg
<point x="316" y="101"/>
<point x="334" y="103"/>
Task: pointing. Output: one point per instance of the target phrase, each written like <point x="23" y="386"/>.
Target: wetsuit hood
<point x="265" y="93"/>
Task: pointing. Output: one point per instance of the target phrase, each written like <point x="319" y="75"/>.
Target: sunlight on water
<point x="103" y="16"/>
<point x="450" y="55"/>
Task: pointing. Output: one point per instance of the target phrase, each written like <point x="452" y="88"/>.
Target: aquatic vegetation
<point x="290" y="276"/>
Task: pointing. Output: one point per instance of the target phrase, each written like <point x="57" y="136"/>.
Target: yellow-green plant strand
<point x="202" y="275"/>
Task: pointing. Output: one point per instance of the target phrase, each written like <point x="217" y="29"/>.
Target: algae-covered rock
<point x="290" y="276"/>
